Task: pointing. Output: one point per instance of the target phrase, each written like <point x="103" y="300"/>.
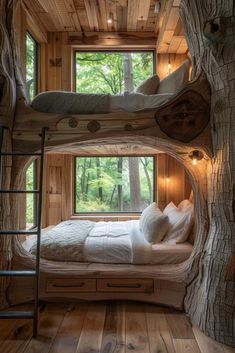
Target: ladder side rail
<point x="39" y="228"/>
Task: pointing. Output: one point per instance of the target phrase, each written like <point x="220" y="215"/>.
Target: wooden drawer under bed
<point x="70" y="285"/>
<point x="121" y="285"/>
<point x="137" y="285"/>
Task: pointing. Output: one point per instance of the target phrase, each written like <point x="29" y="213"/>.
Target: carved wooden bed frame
<point x="184" y="122"/>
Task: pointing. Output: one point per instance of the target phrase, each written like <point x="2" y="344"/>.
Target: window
<point x="31" y="199"/>
<point x="113" y="184"/>
<point x="31" y="66"/>
<point x="112" y="72"/>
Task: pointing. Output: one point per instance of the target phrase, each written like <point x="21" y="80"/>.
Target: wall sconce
<point x="169" y="66"/>
<point x="110" y="18"/>
<point x="196" y="156"/>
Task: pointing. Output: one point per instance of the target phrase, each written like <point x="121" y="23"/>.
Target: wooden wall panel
<point x="21" y="28"/>
<point x="163" y="60"/>
<point x="177" y="188"/>
<point x="57" y="189"/>
<point x="55" y="63"/>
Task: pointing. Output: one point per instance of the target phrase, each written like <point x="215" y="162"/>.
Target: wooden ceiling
<point x="91" y="16"/>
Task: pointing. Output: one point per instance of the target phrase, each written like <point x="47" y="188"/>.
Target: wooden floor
<point x="107" y="327"/>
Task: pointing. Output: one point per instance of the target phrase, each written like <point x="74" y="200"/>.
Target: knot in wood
<point x="73" y="123"/>
<point x="93" y="126"/>
<point x="214" y="30"/>
<point x="218" y="107"/>
<point x="128" y="127"/>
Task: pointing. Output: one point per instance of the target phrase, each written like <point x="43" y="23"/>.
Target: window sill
<point x="108" y="217"/>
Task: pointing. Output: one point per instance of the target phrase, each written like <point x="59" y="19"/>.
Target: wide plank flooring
<point x="106" y="327"/>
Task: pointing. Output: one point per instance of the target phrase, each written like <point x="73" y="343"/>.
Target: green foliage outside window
<point x="31" y="66"/>
<point x="104" y="72"/>
<point x="103" y="184"/>
<point x="30" y="198"/>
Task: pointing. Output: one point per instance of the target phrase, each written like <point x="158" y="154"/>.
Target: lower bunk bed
<point x="84" y="260"/>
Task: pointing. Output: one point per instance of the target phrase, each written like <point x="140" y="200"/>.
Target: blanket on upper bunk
<point x="85" y="241"/>
<point x="59" y="102"/>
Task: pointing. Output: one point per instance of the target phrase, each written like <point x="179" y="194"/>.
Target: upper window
<point x="31" y="66"/>
<point x="113" y="184"/>
<point x="31" y="199"/>
<point x="112" y="72"/>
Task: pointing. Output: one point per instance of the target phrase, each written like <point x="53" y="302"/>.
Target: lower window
<point x="31" y="199"/>
<point x="113" y="184"/>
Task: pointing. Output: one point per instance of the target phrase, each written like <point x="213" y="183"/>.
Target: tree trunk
<point x="144" y="162"/>
<point x="100" y="189"/>
<point x="119" y="187"/>
<point x="8" y="91"/>
<point x="128" y="73"/>
<point x="134" y="177"/>
<point x="210" y="30"/>
<point x="88" y="180"/>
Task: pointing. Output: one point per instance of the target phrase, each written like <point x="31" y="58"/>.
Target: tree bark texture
<point x="7" y="109"/>
<point x="210" y="31"/>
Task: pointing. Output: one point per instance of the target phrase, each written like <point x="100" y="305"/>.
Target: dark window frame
<point x="110" y="51"/>
<point x="36" y="61"/>
<point x="111" y="212"/>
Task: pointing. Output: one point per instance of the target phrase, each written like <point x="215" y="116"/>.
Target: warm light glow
<point x="110" y="18"/>
<point x="169" y="66"/>
<point x="167" y="179"/>
<point x="194" y="161"/>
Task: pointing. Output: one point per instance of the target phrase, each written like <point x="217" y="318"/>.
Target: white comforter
<point x="107" y="242"/>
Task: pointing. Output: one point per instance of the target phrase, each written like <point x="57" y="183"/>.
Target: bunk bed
<point x="184" y="119"/>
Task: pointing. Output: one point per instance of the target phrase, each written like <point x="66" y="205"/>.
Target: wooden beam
<point x="35" y="25"/>
<point x="113" y="39"/>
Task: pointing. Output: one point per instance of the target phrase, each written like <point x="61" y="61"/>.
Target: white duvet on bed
<point x="107" y="242"/>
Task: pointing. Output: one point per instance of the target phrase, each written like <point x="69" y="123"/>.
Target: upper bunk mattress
<point x="60" y="102"/>
<point x="106" y="242"/>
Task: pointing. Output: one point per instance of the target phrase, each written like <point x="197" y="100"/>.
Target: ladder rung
<point x="16" y="314"/>
<point x="20" y="154"/>
<point x="19" y="191"/>
<point x="17" y="273"/>
<point x="18" y="232"/>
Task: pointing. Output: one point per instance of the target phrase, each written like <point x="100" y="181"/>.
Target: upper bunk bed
<point x="175" y="108"/>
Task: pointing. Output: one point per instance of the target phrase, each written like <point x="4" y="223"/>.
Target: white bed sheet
<point x="123" y="242"/>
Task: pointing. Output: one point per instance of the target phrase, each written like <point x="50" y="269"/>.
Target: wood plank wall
<point x="177" y="188"/>
<point x="164" y="59"/>
<point x="58" y="187"/>
<point x="57" y="193"/>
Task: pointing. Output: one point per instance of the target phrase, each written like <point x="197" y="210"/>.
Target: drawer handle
<point x="69" y="285"/>
<point x="110" y="285"/>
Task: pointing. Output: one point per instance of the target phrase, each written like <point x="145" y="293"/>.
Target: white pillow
<point x="185" y="206"/>
<point x="149" y="86"/>
<point x="176" y="81"/>
<point x="180" y="224"/>
<point x="153" y="223"/>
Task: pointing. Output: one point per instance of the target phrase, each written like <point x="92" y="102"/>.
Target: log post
<point x="8" y="94"/>
<point x="210" y="31"/>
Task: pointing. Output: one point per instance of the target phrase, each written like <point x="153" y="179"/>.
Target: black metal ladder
<point x="25" y="273"/>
